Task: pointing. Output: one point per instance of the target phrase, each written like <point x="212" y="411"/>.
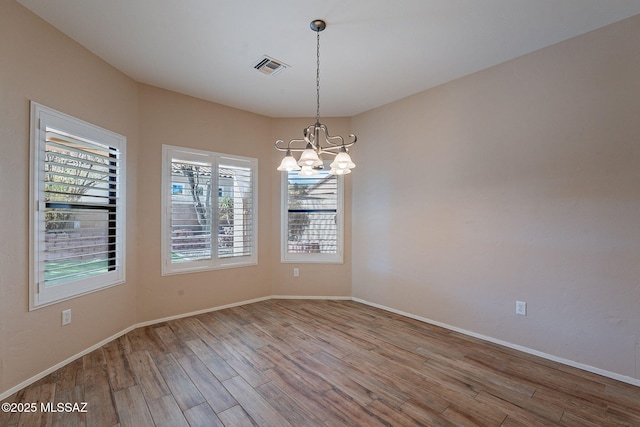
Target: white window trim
<point x="285" y="256"/>
<point x="39" y="296"/>
<point x="215" y="263"/>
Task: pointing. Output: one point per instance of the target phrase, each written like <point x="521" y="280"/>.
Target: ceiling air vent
<point x="270" y="66"/>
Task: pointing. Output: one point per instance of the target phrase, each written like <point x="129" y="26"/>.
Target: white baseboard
<point x="328" y="298"/>
<point x="588" y="368"/>
<point x="194" y="313"/>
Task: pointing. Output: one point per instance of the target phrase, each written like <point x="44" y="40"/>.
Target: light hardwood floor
<point x="319" y="363"/>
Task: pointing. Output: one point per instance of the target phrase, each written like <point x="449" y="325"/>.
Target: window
<point x="77" y="207"/>
<point x="203" y="228"/>
<point x="312" y="217"/>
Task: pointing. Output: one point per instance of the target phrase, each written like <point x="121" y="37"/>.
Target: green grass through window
<point x="59" y="272"/>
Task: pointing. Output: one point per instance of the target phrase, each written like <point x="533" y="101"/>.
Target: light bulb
<point x="339" y="171"/>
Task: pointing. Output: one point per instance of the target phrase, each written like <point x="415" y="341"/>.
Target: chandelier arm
<point x="309" y="134"/>
<point x="279" y="142"/>
<point x="353" y="141"/>
<point x="288" y="146"/>
<point x="338" y="147"/>
<point x="330" y="139"/>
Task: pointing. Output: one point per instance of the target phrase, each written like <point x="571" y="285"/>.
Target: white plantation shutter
<point x="210" y="215"/>
<point x="191" y="226"/>
<point x="312" y="217"/>
<point x="235" y="209"/>
<point x="78" y="208"/>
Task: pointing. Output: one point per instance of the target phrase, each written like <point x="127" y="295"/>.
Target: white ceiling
<point x="373" y="51"/>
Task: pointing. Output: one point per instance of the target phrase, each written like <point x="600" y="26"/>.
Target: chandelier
<point x="316" y="139"/>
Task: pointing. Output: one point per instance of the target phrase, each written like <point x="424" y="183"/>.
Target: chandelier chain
<point x="318" y="77"/>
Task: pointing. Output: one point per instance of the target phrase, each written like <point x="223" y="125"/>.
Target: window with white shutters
<point x="312" y="217"/>
<point x="77" y="207"/>
<point x="209" y="210"/>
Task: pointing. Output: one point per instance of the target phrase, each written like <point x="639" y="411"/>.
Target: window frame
<point x="321" y="258"/>
<point x="40" y="295"/>
<point x="215" y="159"/>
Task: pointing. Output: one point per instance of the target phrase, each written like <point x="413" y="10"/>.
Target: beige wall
<point x="39" y="63"/>
<point x="174" y="119"/>
<point x="521" y="182"/>
<point x="331" y="280"/>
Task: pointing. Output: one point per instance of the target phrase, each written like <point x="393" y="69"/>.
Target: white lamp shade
<point x="342" y="161"/>
<point x="289" y="164"/>
<point x="339" y="171"/>
<point x="309" y="158"/>
<point x="308" y="171"/>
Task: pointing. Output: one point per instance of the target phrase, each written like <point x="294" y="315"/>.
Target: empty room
<point x="320" y="213"/>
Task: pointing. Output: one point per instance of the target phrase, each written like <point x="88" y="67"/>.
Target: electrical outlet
<point x="296" y="272"/>
<point x="66" y="317"/>
<point x="521" y="308"/>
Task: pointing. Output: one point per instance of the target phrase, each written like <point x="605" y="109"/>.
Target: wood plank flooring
<point x="319" y="363"/>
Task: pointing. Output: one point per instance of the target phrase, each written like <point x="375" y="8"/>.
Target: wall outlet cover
<point x="66" y="317"/>
<point x="521" y="308"/>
